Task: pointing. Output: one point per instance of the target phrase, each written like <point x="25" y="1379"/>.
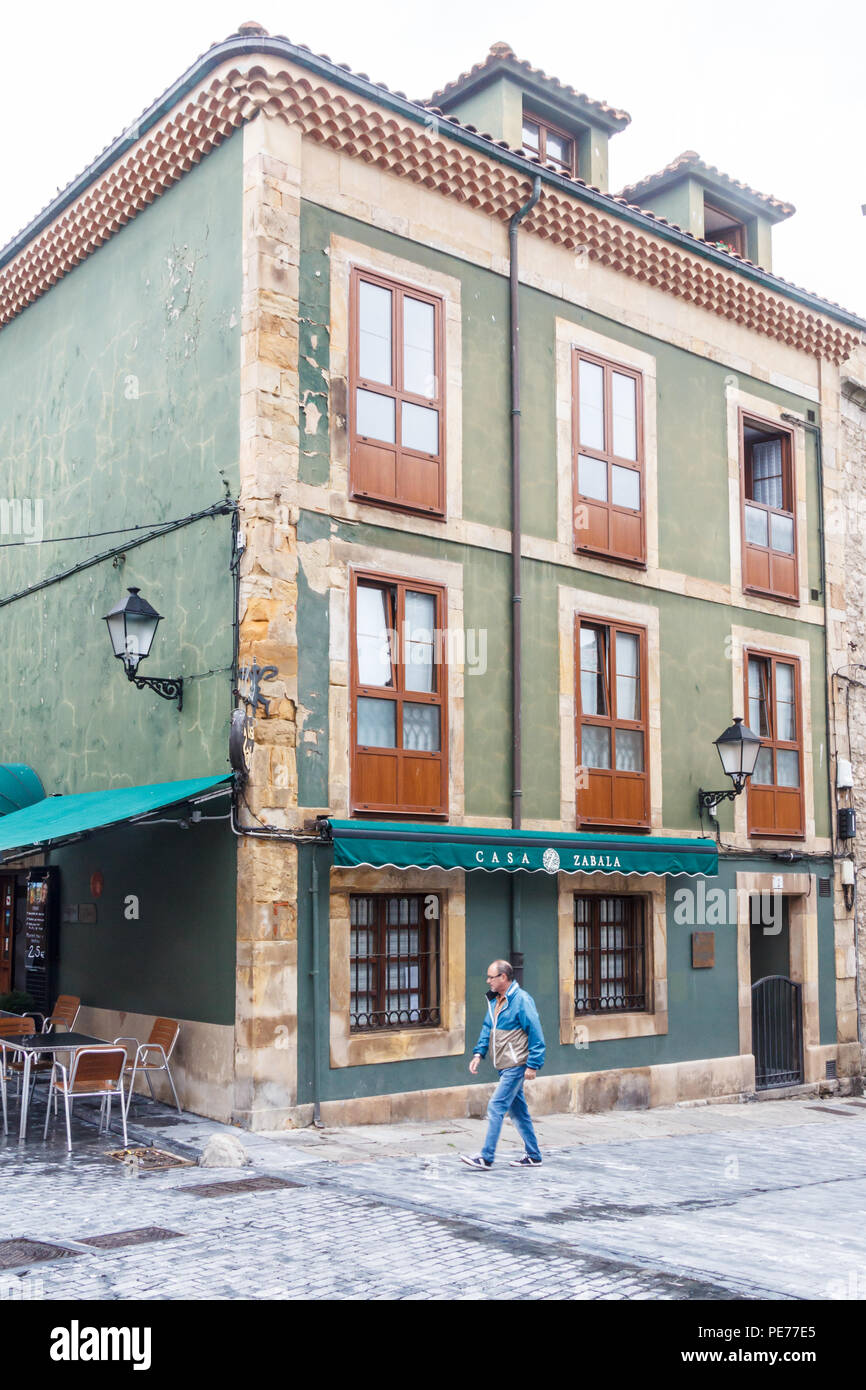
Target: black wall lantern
<point x="738" y="749"/>
<point x="132" y="627"/>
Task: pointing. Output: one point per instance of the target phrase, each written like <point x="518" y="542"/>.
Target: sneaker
<point x="475" y="1161"/>
<point x="525" y="1162"/>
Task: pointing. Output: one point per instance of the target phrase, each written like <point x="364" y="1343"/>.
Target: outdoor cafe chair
<point x="94" y="1071"/>
<point x="64" y="1014"/>
<point x="11" y="1028"/>
<point x="154" y="1055"/>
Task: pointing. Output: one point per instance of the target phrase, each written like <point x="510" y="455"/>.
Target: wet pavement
<point x="744" y="1202"/>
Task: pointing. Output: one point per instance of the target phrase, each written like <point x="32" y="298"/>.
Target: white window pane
<point x="558" y="148"/>
<point x="591" y="396"/>
<point x="592" y="478"/>
<point x="624" y="416"/>
<point x="374" y="333"/>
<point x="629" y="750"/>
<point x="763" y="773"/>
<point x="787" y="767"/>
<point x="625" y="487"/>
<point x="420" y="428"/>
<point x="595" y="746"/>
<point x="530" y="136"/>
<point x="592" y="671"/>
<point x="376" y="416"/>
<point x="782" y="533"/>
<point x="373" y="638"/>
<point x="377" y="723"/>
<point x="421" y="728"/>
<point x="628" y="704"/>
<point x="756" y="526"/>
<point x="784" y="683"/>
<point x="420" y="633"/>
<point x="767" y="473"/>
<point x="419" y="360"/>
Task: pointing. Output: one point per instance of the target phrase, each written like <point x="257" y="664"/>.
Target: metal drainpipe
<point x="516" y="949"/>
<point x="314" y="977"/>
<point x="815" y="431"/>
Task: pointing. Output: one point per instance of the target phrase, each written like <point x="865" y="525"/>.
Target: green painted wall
<point x="178" y="959"/>
<point x="702" y="1004"/>
<point x="694" y="639"/>
<point x="692" y="451"/>
<point x="120" y="407"/>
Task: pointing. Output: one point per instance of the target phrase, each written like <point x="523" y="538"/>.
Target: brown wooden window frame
<point x="402" y="498"/>
<point x="637" y="952"/>
<point x="752" y="553"/>
<point x="399" y="695"/>
<point x="426" y="959"/>
<point x="758" y="793"/>
<point x="584" y="505"/>
<point x="585" y="815"/>
<point x="546" y="127"/>
<point x="734" y="236"/>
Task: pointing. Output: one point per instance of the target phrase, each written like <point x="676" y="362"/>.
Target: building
<point x="477" y="499"/>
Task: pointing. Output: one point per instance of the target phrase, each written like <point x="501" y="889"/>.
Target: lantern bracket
<point x="169" y="687"/>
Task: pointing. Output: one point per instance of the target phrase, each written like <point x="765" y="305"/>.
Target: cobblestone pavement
<point x="744" y="1202"/>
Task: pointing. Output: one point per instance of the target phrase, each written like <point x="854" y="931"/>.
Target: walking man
<point x="513" y="1031"/>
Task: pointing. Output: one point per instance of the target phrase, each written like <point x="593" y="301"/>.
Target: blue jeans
<point x="508" y="1098"/>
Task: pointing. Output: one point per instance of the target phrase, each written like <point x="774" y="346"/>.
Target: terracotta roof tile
<point x="181" y="139"/>
<point x="690" y="162"/>
<point x="503" y="53"/>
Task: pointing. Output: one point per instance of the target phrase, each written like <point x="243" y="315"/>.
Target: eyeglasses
<point x="496" y="976"/>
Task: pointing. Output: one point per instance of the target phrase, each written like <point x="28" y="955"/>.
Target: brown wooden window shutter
<point x="773" y="699"/>
<point x="399" y="710"/>
<point x="612" y="724"/>
<point x="768" y="509"/>
<point x="396" y="395"/>
<point x="608" y="463"/>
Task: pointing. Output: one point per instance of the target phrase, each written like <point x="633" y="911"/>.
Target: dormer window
<point x="549" y="144"/>
<point x="720" y="226"/>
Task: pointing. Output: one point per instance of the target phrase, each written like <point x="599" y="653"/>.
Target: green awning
<point x="19" y="786"/>
<point x="383" y="845"/>
<point x="59" y="818"/>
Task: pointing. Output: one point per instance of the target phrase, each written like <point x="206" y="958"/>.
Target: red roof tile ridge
<point x="691" y="159"/>
<point x="504" y="52"/>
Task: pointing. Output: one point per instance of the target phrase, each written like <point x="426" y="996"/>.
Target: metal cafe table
<point x="32" y="1045"/>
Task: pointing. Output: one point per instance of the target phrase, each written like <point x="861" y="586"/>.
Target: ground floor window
<point x="394" y="960"/>
<point x="609" y="954"/>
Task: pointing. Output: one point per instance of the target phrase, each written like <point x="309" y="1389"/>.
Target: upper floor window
<point x="613" y="782"/>
<point x="768" y="502"/>
<point x="549" y="144"/>
<point x="398" y="714"/>
<point x="723" y="228"/>
<point x="776" y="786"/>
<point x="394" y="961"/>
<point x="608" y="459"/>
<point x="396" y="394"/>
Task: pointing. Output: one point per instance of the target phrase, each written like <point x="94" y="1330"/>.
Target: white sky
<point x="772" y="92"/>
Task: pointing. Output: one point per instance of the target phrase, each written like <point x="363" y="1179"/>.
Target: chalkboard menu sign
<point x="40" y="935"/>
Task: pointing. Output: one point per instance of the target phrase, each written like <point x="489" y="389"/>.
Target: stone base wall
<point x="576" y="1093"/>
<point x="202" y="1064"/>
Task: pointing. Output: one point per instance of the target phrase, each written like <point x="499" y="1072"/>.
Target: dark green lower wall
<point x="703" y="1004"/>
<point x="178" y="958"/>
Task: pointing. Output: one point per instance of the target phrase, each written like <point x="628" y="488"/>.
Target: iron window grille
<point x="394" y="961"/>
<point x="609" y="954"/>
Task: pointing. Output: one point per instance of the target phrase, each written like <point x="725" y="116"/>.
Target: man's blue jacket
<point x="514" y="1037"/>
